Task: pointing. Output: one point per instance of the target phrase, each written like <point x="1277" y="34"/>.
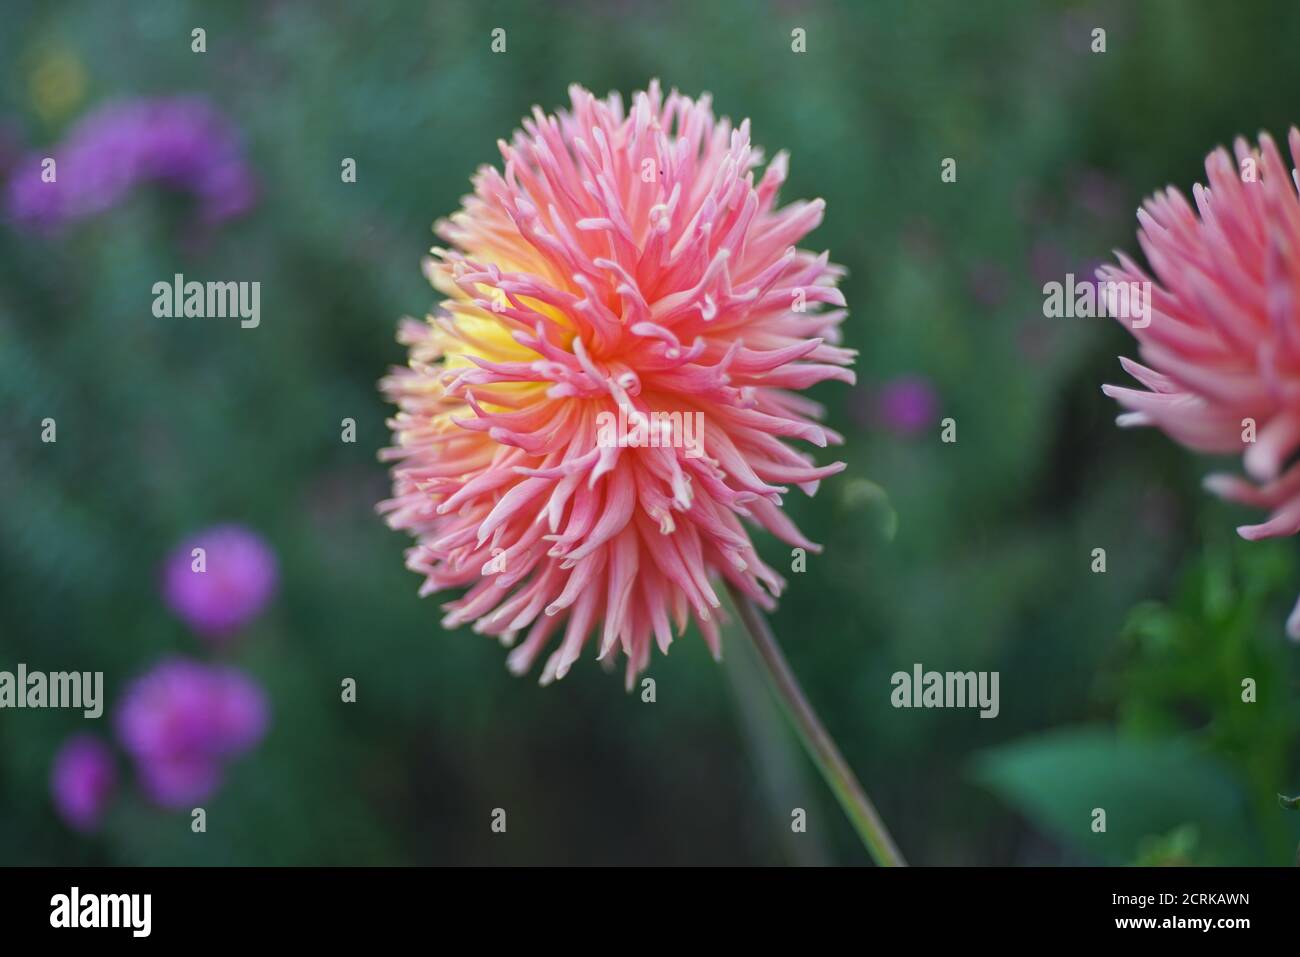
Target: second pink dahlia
<point x="1222" y="344"/>
<point x="612" y="385"/>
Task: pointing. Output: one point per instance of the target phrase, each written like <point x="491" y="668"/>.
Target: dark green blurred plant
<point x="1203" y="693"/>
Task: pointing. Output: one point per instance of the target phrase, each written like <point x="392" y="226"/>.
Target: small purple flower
<point x="225" y="586"/>
<point x="180" y="142"/>
<point x="905" y="406"/>
<point x="183" y="721"/>
<point x="82" y="781"/>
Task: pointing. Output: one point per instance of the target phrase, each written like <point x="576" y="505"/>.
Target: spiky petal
<point x="1222" y="348"/>
<point x="622" y="267"/>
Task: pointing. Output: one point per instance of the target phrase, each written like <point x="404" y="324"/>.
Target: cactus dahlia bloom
<point x="613" y="382"/>
<point x="1222" y="347"/>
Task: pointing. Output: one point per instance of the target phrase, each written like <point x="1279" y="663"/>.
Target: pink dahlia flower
<point x="1222" y="341"/>
<point x="613" y="382"/>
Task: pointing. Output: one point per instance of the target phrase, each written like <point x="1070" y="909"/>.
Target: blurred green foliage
<point x="1204" y="699"/>
<point x="1119" y="690"/>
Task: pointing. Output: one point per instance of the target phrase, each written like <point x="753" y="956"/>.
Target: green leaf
<point x="1147" y="788"/>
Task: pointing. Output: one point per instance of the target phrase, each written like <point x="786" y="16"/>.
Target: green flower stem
<point x="818" y="743"/>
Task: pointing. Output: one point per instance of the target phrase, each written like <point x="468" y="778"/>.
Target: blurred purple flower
<point x="180" y="142"/>
<point x="238" y="577"/>
<point x="183" y="721"/>
<point x="82" y="781"/>
<point x="904" y="406"/>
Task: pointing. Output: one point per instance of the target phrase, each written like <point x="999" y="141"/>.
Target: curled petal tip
<point x="498" y="441"/>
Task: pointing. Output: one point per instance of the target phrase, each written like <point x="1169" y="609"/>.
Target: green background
<point x="1119" y="690"/>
